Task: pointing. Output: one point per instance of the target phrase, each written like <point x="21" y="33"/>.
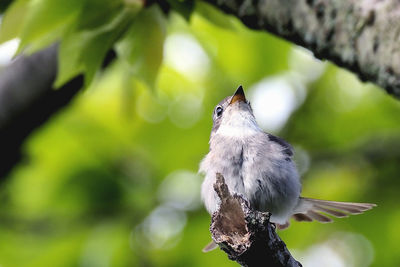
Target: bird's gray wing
<point x="287" y="149"/>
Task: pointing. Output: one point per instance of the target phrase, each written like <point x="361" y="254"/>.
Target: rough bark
<point x="360" y="35"/>
<point x="246" y="235"/>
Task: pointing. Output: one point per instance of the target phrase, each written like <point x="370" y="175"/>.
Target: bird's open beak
<point x="238" y="96"/>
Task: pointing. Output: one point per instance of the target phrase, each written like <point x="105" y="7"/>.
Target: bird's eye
<point x="218" y="111"/>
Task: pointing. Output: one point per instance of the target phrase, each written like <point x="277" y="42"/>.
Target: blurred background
<point x="111" y="180"/>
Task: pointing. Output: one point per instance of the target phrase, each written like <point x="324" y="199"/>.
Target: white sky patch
<point x="322" y="255"/>
<point x="304" y="63"/>
<point x="7" y="51"/>
<point x="181" y="190"/>
<point x="274" y="99"/>
<point x="163" y="226"/>
<point x="343" y="249"/>
<point x="183" y="53"/>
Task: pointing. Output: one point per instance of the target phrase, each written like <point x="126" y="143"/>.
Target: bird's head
<point x="234" y="117"/>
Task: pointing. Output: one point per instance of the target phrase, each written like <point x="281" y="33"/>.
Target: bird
<point x="260" y="167"/>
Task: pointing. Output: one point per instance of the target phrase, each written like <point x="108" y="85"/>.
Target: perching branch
<point x="360" y="35"/>
<point x="246" y="235"/>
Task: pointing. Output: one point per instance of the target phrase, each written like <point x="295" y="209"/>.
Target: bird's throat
<point x="238" y="125"/>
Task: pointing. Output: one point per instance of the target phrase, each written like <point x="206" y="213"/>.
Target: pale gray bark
<point x="360" y="35"/>
<point x="246" y="235"/>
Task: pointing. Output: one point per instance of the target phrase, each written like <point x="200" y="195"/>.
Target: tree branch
<point x="360" y="35"/>
<point x="28" y="99"/>
<point x="246" y="235"/>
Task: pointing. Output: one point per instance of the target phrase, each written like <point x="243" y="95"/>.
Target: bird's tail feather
<point x="310" y="209"/>
<point x="210" y="246"/>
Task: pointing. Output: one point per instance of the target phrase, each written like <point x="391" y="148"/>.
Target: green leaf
<point x="98" y="13"/>
<point x="142" y="46"/>
<point x="183" y="7"/>
<point x="84" y="51"/>
<point x="47" y="20"/>
<point x="13" y="20"/>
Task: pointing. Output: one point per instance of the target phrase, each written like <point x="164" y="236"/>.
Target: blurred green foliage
<point x="111" y="180"/>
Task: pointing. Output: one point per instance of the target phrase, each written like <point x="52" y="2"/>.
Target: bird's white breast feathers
<point x="239" y="124"/>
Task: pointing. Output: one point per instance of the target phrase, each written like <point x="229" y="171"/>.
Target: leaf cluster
<point x="88" y="29"/>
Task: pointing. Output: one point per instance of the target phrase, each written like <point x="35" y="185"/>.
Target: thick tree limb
<point x="28" y="99"/>
<point x="360" y="35"/>
<point x="246" y="235"/>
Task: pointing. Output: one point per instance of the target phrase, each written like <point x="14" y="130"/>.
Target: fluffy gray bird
<point x="260" y="167"/>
